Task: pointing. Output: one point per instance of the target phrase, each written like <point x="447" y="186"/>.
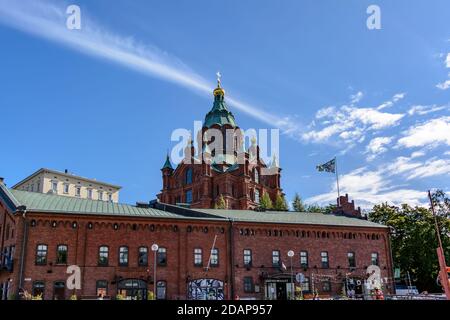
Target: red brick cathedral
<point x="223" y="168"/>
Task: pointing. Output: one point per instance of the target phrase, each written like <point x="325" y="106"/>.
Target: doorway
<point x="132" y="289"/>
<point x="59" y="290"/>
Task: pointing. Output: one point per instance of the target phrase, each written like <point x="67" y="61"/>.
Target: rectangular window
<point x="247" y="257"/>
<point x="32" y="188"/>
<point x="198" y="258"/>
<point x="66" y="188"/>
<point x="103" y="256"/>
<point x="189" y="196"/>
<point x="55" y="187"/>
<point x="161" y="290"/>
<point x="275" y="258"/>
<point x="304" y="259"/>
<point x="162" y="257"/>
<point x="78" y="191"/>
<point x="110" y="198"/>
<point x="41" y="254"/>
<point x="38" y="289"/>
<point x="100" y="195"/>
<point x="89" y="193"/>
<point x="324" y="259"/>
<point x="326" y="285"/>
<point x="123" y="256"/>
<point x="305" y="285"/>
<point x="143" y="256"/>
<point x="214" y="257"/>
<point x="248" y="284"/>
<point x="374" y="259"/>
<point x="61" y="254"/>
<point x="351" y="260"/>
<point x="38" y="188"/>
<point x="101" y="288"/>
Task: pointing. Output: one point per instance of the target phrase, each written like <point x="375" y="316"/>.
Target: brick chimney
<point x="347" y="208"/>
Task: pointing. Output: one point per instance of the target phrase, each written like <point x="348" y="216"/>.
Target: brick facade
<point x="180" y="238"/>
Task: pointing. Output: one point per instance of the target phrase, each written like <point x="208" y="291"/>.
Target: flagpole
<point x="337" y="182"/>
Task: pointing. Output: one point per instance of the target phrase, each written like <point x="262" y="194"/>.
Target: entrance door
<point x="281" y="291"/>
<point x="59" y="291"/>
<point x="132" y="289"/>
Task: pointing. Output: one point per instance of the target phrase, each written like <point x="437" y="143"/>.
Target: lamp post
<point x="290" y="255"/>
<point x="155" y="248"/>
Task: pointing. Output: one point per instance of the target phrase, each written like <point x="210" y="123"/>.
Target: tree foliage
<point x="265" y="202"/>
<point x="221" y="203"/>
<point x="297" y="204"/>
<point x="413" y="239"/>
<point x="280" y="203"/>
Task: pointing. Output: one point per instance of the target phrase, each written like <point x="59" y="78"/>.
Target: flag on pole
<point x="329" y="166"/>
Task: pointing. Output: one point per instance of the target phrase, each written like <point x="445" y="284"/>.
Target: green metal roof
<point x="219" y="114"/>
<point x="290" y="218"/>
<point x="46" y="203"/>
<point x="39" y="202"/>
<point x="167" y="164"/>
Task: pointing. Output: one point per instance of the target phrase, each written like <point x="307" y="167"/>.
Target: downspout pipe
<point x="23" y="210"/>
<point x="231" y="246"/>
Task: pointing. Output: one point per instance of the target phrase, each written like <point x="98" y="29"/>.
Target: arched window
<point x="256" y="195"/>
<point x="256" y="175"/>
<point x="189" y="176"/>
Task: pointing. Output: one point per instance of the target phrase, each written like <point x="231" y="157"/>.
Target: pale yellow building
<point x="67" y="184"/>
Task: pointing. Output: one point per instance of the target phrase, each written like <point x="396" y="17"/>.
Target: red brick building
<point x="220" y="166"/>
<point x="203" y="253"/>
<point x="43" y="234"/>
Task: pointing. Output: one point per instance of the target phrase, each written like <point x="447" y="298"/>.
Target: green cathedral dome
<point x="219" y="113"/>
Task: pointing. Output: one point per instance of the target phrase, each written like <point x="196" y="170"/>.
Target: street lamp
<point x="290" y="255"/>
<point x="155" y="248"/>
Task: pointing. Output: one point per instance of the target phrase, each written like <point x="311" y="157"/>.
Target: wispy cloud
<point x="373" y="186"/>
<point x="377" y="146"/>
<point x="47" y="19"/>
<point x="445" y="84"/>
<point x="350" y="123"/>
<point x="423" y="110"/>
<point x="429" y="133"/>
<point x="397" y="97"/>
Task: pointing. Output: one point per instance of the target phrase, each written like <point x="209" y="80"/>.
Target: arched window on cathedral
<point x="256" y="195"/>
<point x="256" y="175"/>
<point x="189" y="176"/>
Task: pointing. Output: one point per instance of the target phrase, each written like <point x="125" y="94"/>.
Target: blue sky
<point x="103" y="101"/>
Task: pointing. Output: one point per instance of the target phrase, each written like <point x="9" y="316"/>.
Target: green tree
<point x="265" y="202"/>
<point x="314" y="208"/>
<point x="280" y="203"/>
<point x="413" y="240"/>
<point x="297" y="204"/>
<point x="220" y="204"/>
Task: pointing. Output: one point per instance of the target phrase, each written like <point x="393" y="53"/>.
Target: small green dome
<point x="219" y="113"/>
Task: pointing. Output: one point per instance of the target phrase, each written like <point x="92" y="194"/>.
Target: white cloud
<point x="350" y="123"/>
<point x="369" y="188"/>
<point x="377" y="146"/>
<point x="373" y="186"/>
<point x="355" y="98"/>
<point x="433" y="167"/>
<point x="432" y="132"/>
<point x="446" y="84"/>
<point x="443" y="85"/>
<point x="417" y="154"/>
<point x="422" y="110"/>
<point x="397" y="97"/>
<point x="46" y="19"/>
